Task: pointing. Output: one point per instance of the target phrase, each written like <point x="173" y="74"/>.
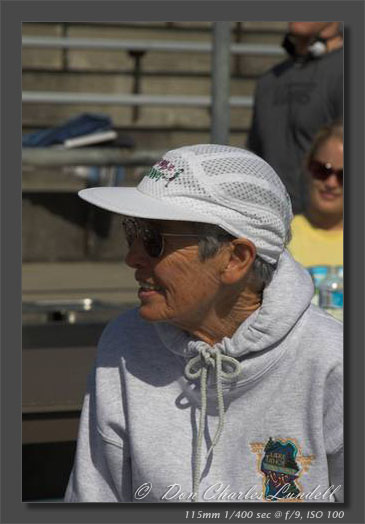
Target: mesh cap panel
<point x="233" y="187"/>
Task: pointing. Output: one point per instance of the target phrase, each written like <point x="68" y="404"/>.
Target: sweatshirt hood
<point x="284" y="301"/>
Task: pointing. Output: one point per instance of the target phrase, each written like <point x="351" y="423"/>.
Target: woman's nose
<point x="136" y="256"/>
<point x="332" y="181"/>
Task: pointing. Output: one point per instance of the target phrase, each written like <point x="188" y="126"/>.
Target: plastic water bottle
<point x="339" y="270"/>
<point x="331" y="292"/>
<point x="318" y="274"/>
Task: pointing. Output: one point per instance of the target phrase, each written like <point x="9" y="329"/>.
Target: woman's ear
<point x="241" y="257"/>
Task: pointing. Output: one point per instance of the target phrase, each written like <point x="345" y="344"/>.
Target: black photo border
<point x="14" y="12"/>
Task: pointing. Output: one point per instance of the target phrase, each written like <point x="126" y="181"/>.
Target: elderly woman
<point x="225" y="384"/>
<point x="317" y="235"/>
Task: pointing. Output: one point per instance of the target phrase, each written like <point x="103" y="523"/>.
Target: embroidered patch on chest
<point x="280" y="462"/>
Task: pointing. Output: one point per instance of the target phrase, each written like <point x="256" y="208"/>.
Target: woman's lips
<point x="148" y="290"/>
<point x="328" y="195"/>
<point x="145" y="293"/>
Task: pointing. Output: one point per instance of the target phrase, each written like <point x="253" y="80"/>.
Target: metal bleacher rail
<point x="105" y="156"/>
<point x="143" y="45"/>
<point x="137" y="45"/>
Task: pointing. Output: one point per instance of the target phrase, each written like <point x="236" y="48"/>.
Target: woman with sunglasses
<point x="317" y="235"/>
<point x="224" y="384"/>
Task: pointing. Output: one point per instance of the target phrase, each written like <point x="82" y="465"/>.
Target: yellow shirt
<point x="314" y="247"/>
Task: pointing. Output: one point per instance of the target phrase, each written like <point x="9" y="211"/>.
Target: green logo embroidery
<point x="164" y="170"/>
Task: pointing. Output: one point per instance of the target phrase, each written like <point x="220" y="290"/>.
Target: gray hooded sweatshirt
<point x="264" y="425"/>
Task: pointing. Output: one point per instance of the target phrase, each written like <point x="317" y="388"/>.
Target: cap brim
<point x="129" y="201"/>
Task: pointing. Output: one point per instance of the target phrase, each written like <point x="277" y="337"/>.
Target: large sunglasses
<point x="153" y="240"/>
<point x="322" y="171"/>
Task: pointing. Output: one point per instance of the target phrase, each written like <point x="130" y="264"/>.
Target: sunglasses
<point x="322" y="171"/>
<point x="153" y="240"/>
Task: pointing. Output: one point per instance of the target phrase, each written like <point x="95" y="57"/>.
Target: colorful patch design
<point x="165" y="170"/>
<point x="281" y="463"/>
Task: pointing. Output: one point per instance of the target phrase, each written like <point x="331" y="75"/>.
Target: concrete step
<point x="59" y="226"/>
<point x="108" y="281"/>
<point x="154" y="118"/>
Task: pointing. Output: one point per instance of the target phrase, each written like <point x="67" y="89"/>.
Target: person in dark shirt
<point x="296" y="98"/>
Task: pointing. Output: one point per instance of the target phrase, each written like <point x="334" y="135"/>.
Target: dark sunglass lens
<point x="319" y="170"/>
<point x="130" y="230"/>
<point x="323" y="171"/>
<point x="153" y="242"/>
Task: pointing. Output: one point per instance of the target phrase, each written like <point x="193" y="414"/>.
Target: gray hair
<point x="214" y="237"/>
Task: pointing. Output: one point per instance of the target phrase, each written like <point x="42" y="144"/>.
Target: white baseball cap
<point x="215" y="184"/>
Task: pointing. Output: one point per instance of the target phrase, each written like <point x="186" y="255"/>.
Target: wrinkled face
<point x="307" y="29"/>
<point x="176" y="287"/>
<point x="326" y="196"/>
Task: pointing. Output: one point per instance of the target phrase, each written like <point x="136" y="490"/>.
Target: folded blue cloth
<point x="83" y="124"/>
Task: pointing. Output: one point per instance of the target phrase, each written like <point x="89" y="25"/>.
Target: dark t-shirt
<point x="292" y="101"/>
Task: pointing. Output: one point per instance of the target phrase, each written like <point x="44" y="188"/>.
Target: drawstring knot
<point x="198" y="367"/>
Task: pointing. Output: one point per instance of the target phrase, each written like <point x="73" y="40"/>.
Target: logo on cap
<point x="164" y="170"/>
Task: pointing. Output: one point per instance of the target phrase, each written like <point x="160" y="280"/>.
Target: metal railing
<point x="46" y="97"/>
<point x="135" y="100"/>
<point x="145" y="45"/>
<point x="56" y="97"/>
<point x="54" y="156"/>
